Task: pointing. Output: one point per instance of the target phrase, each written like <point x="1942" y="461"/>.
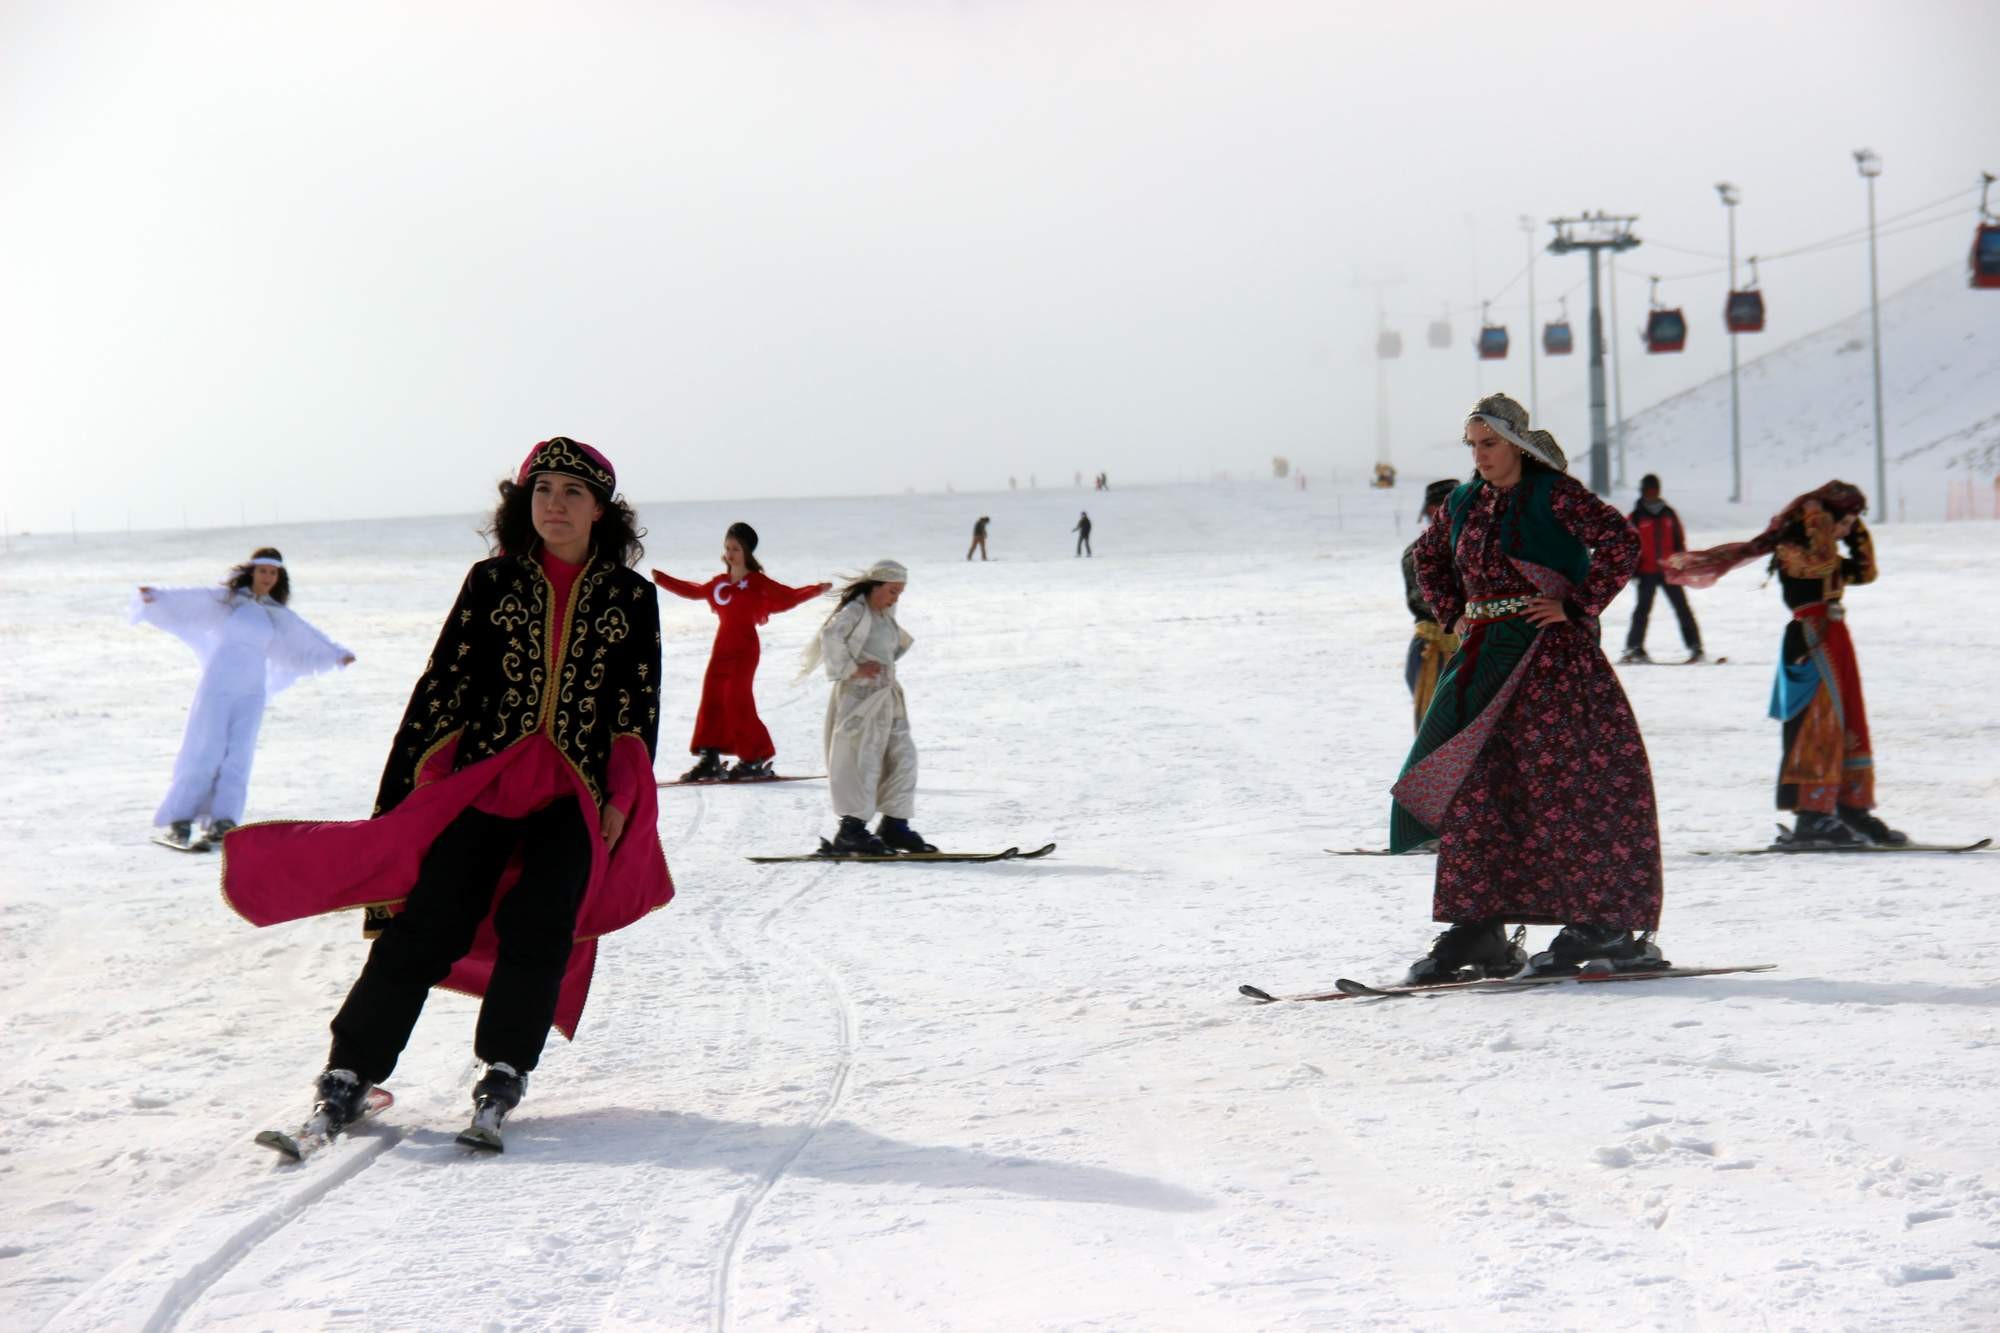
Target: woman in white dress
<point x="871" y="761"/>
<point x="251" y="646"/>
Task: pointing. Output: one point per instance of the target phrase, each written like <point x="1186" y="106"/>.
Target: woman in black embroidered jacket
<point x="515" y="818"/>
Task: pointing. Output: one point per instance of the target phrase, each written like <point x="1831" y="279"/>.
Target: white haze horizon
<point x="301" y="267"/>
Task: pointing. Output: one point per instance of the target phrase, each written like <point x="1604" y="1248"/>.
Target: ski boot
<point x="179" y="835"/>
<point x="709" y="769"/>
<point x="760" y="771"/>
<point x="897" y="835"/>
<point x="1873" y="829"/>
<point x="493" y="1097"/>
<point x="1581" y="948"/>
<point x="1469" y="951"/>
<point x="216" y="830"/>
<point x="1634" y="655"/>
<point x="339" y="1099"/>
<point x="1817" y="830"/>
<point x="1695" y="655"/>
<point x="854" y="839"/>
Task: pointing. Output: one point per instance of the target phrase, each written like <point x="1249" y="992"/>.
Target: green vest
<point x="1529" y="529"/>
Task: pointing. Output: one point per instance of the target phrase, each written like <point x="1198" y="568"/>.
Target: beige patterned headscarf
<point x="1509" y="420"/>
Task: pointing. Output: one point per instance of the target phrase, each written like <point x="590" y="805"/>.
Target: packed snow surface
<point x="1018" y="1095"/>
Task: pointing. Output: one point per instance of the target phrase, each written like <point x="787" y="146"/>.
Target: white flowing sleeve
<point x="195" y="616"/>
<point x="838" y="661"/>
<point x="298" y="649"/>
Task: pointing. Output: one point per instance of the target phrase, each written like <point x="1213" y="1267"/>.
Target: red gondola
<point x="1557" y="340"/>
<point x="1743" y="312"/>
<point x="1492" y="340"/>
<point x="1388" y="344"/>
<point x="1666" y="330"/>
<point x="1985" y="256"/>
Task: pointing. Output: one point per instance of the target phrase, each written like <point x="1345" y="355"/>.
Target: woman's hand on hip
<point x="1542" y="612"/>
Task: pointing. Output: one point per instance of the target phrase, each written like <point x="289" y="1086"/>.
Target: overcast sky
<point x="351" y="260"/>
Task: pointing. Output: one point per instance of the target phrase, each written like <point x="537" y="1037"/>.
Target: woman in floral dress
<point x="1528" y="769"/>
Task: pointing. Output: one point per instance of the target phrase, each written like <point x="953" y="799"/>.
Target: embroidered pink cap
<point x="571" y="458"/>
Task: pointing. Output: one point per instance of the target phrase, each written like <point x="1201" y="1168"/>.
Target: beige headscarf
<point x="882" y="571"/>
<point x="1509" y="420"/>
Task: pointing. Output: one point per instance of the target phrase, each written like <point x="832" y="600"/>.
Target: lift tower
<point x="1593" y="232"/>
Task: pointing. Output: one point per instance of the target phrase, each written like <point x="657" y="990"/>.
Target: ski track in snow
<point x="1018" y="1095"/>
<point x="836" y="1084"/>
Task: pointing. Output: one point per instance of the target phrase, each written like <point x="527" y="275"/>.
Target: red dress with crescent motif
<point x="728" y="721"/>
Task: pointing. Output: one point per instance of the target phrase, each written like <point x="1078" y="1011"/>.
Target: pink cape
<point x="285" y="870"/>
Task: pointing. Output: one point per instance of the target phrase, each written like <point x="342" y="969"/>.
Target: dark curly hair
<point x="512" y="527"/>
<point x="239" y="577"/>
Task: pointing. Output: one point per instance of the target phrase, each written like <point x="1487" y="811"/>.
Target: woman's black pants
<point x="535" y="924"/>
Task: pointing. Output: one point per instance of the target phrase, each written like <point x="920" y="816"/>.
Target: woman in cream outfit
<point x="871" y="761"/>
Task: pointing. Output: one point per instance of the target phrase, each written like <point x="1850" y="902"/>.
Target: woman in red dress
<point x="742" y="597"/>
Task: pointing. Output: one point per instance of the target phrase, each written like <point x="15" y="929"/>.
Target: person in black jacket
<point x="1660" y="535"/>
<point x="1082" y="531"/>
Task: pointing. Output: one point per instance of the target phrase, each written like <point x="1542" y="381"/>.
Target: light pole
<point x="1617" y="372"/>
<point x="1731" y="196"/>
<point x="1869" y="164"/>
<point x="1534" y="390"/>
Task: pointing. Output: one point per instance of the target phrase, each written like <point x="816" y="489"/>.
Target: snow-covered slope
<point x="1016" y="1096"/>
<point x="1808" y="412"/>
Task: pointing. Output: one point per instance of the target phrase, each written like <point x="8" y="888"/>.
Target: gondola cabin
<point x="1666" y="331"/>
<point x="1388" y="344"/>
<point x="1440" y="333"/>
<point x="1743" y="312"/>
<point x="1986" y="255"/>
<point x="1557" y="340"/>
<point x="1493" y="343"/>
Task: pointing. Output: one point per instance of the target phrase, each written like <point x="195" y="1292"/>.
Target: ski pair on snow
<point x="316" y="1133"/>
<point x="1346" y="989"/>
<point x="743" y="782"/>
<point x="826" y="853"/>
<point x="1785" y="846"/>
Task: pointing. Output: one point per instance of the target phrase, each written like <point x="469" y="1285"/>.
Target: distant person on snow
<point x="871" y="760"/>
<point x="1660" y="536"/>
<point x="1082" y="531"/>
<point x="1827" y="772"/>
<point x="742" y="597"/>
<point x="251" y="646"/>
<point x="1432" y="644"/>
<point x="515" y="823"/>
<point x="978" y="538"/>
<point x="1529" y="769"/>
